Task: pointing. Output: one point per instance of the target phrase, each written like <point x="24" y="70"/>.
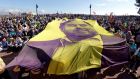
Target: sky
<point x="101" y="7"/>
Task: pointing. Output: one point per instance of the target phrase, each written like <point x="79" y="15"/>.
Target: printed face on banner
<point x="78" y="29"/>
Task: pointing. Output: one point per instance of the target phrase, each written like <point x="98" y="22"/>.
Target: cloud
<point x="42" y="11"/>
<point x="14" y="11"/>
<point x="117" y="0"/>
<point x="101" y="4"/>
<point x="6" y="11"/>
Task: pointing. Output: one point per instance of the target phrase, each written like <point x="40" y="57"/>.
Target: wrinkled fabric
<point x="72" y="46"/>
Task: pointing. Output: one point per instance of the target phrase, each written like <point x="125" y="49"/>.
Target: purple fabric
<point x="36" y="53"/>
<point x="112" y="40"/>
<point x="49" y="46"/>
<point x="26" y="58"/>
<point x="114" y="54"/>
<point x="78" y="33"/>
<point x="114" y="50"/>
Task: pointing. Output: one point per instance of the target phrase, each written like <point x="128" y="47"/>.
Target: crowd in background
<point x="15" y="31"/>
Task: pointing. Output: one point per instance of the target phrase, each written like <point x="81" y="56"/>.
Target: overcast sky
<point x="118" y="7"/>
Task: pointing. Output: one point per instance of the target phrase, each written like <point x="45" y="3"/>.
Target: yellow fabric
<point x="100" y="30"/>
<point x="2" y="66"/>
<point x="51" y="32"/>
<point x="77" y="57"/>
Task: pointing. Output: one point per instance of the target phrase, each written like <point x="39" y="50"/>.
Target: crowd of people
<point x="15" y="31"/>
<point x="127" y="27"/>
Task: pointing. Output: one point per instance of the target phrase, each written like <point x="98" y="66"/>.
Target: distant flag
<point x="111" y="17"/>
<point x="90" y="9"/>
<point x="36" y="9"/>
<point x="36" y="6"/>
<point x="90" y="6"/>
<point x="94" y="12"/>
<point x="10" y="13"/>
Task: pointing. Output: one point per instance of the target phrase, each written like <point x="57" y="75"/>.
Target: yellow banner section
<point x="99" y="29"/>
<point x="77" y="57"/>
<point x="83" y="55"/>
<point x="53" y="31"/>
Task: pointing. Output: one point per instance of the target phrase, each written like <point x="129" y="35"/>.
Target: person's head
<point x="131" y="41"/>
<point x="4" y="39"/>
